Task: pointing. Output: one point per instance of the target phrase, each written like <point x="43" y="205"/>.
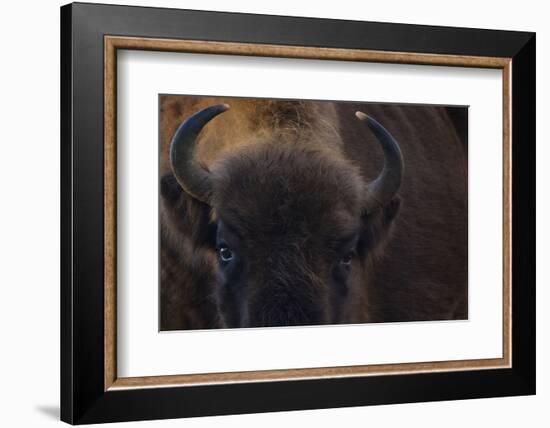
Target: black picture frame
<point x="83" y="396"/>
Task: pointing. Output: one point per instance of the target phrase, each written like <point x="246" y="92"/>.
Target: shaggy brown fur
<point x="288" y="185"/>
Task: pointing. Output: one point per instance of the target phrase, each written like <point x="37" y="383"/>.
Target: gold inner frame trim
<point x="113" y="43"/>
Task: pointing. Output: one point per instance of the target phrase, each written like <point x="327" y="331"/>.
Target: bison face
<point x="294" y="224"/>
<point x="288" y="224"/>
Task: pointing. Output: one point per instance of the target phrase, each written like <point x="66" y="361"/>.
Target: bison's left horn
<point x="191" y="176"/>
<point x="382" y="189"/>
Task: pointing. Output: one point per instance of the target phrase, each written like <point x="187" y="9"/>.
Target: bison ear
<point x="170" y="190"/>
<point x="184" y="217"/>
<point x="377" y="227"/>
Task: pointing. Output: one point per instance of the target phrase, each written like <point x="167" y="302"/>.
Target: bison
<point x="281" y="212"/>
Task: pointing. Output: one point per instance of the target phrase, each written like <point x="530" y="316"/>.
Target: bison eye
<point x="346" y="260"/>
<point x="226" y="254"/>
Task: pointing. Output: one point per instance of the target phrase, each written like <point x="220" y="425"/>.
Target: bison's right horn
<point x="191" y="176"/>
<point x="382" y="190"/>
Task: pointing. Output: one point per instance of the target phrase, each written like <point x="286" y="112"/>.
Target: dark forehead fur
<point x="279" y="187"/>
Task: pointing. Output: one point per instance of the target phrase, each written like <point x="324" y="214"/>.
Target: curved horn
<point x="191" y="176"/>
<point x="382" y="189"/>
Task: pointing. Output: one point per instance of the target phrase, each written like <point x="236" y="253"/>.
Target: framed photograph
<point x="265" y="213"/>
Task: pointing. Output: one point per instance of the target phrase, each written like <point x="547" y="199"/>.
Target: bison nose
<point x="286" y="313"/>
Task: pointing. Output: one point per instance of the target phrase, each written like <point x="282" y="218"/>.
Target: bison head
<point x="293" y="223"/>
